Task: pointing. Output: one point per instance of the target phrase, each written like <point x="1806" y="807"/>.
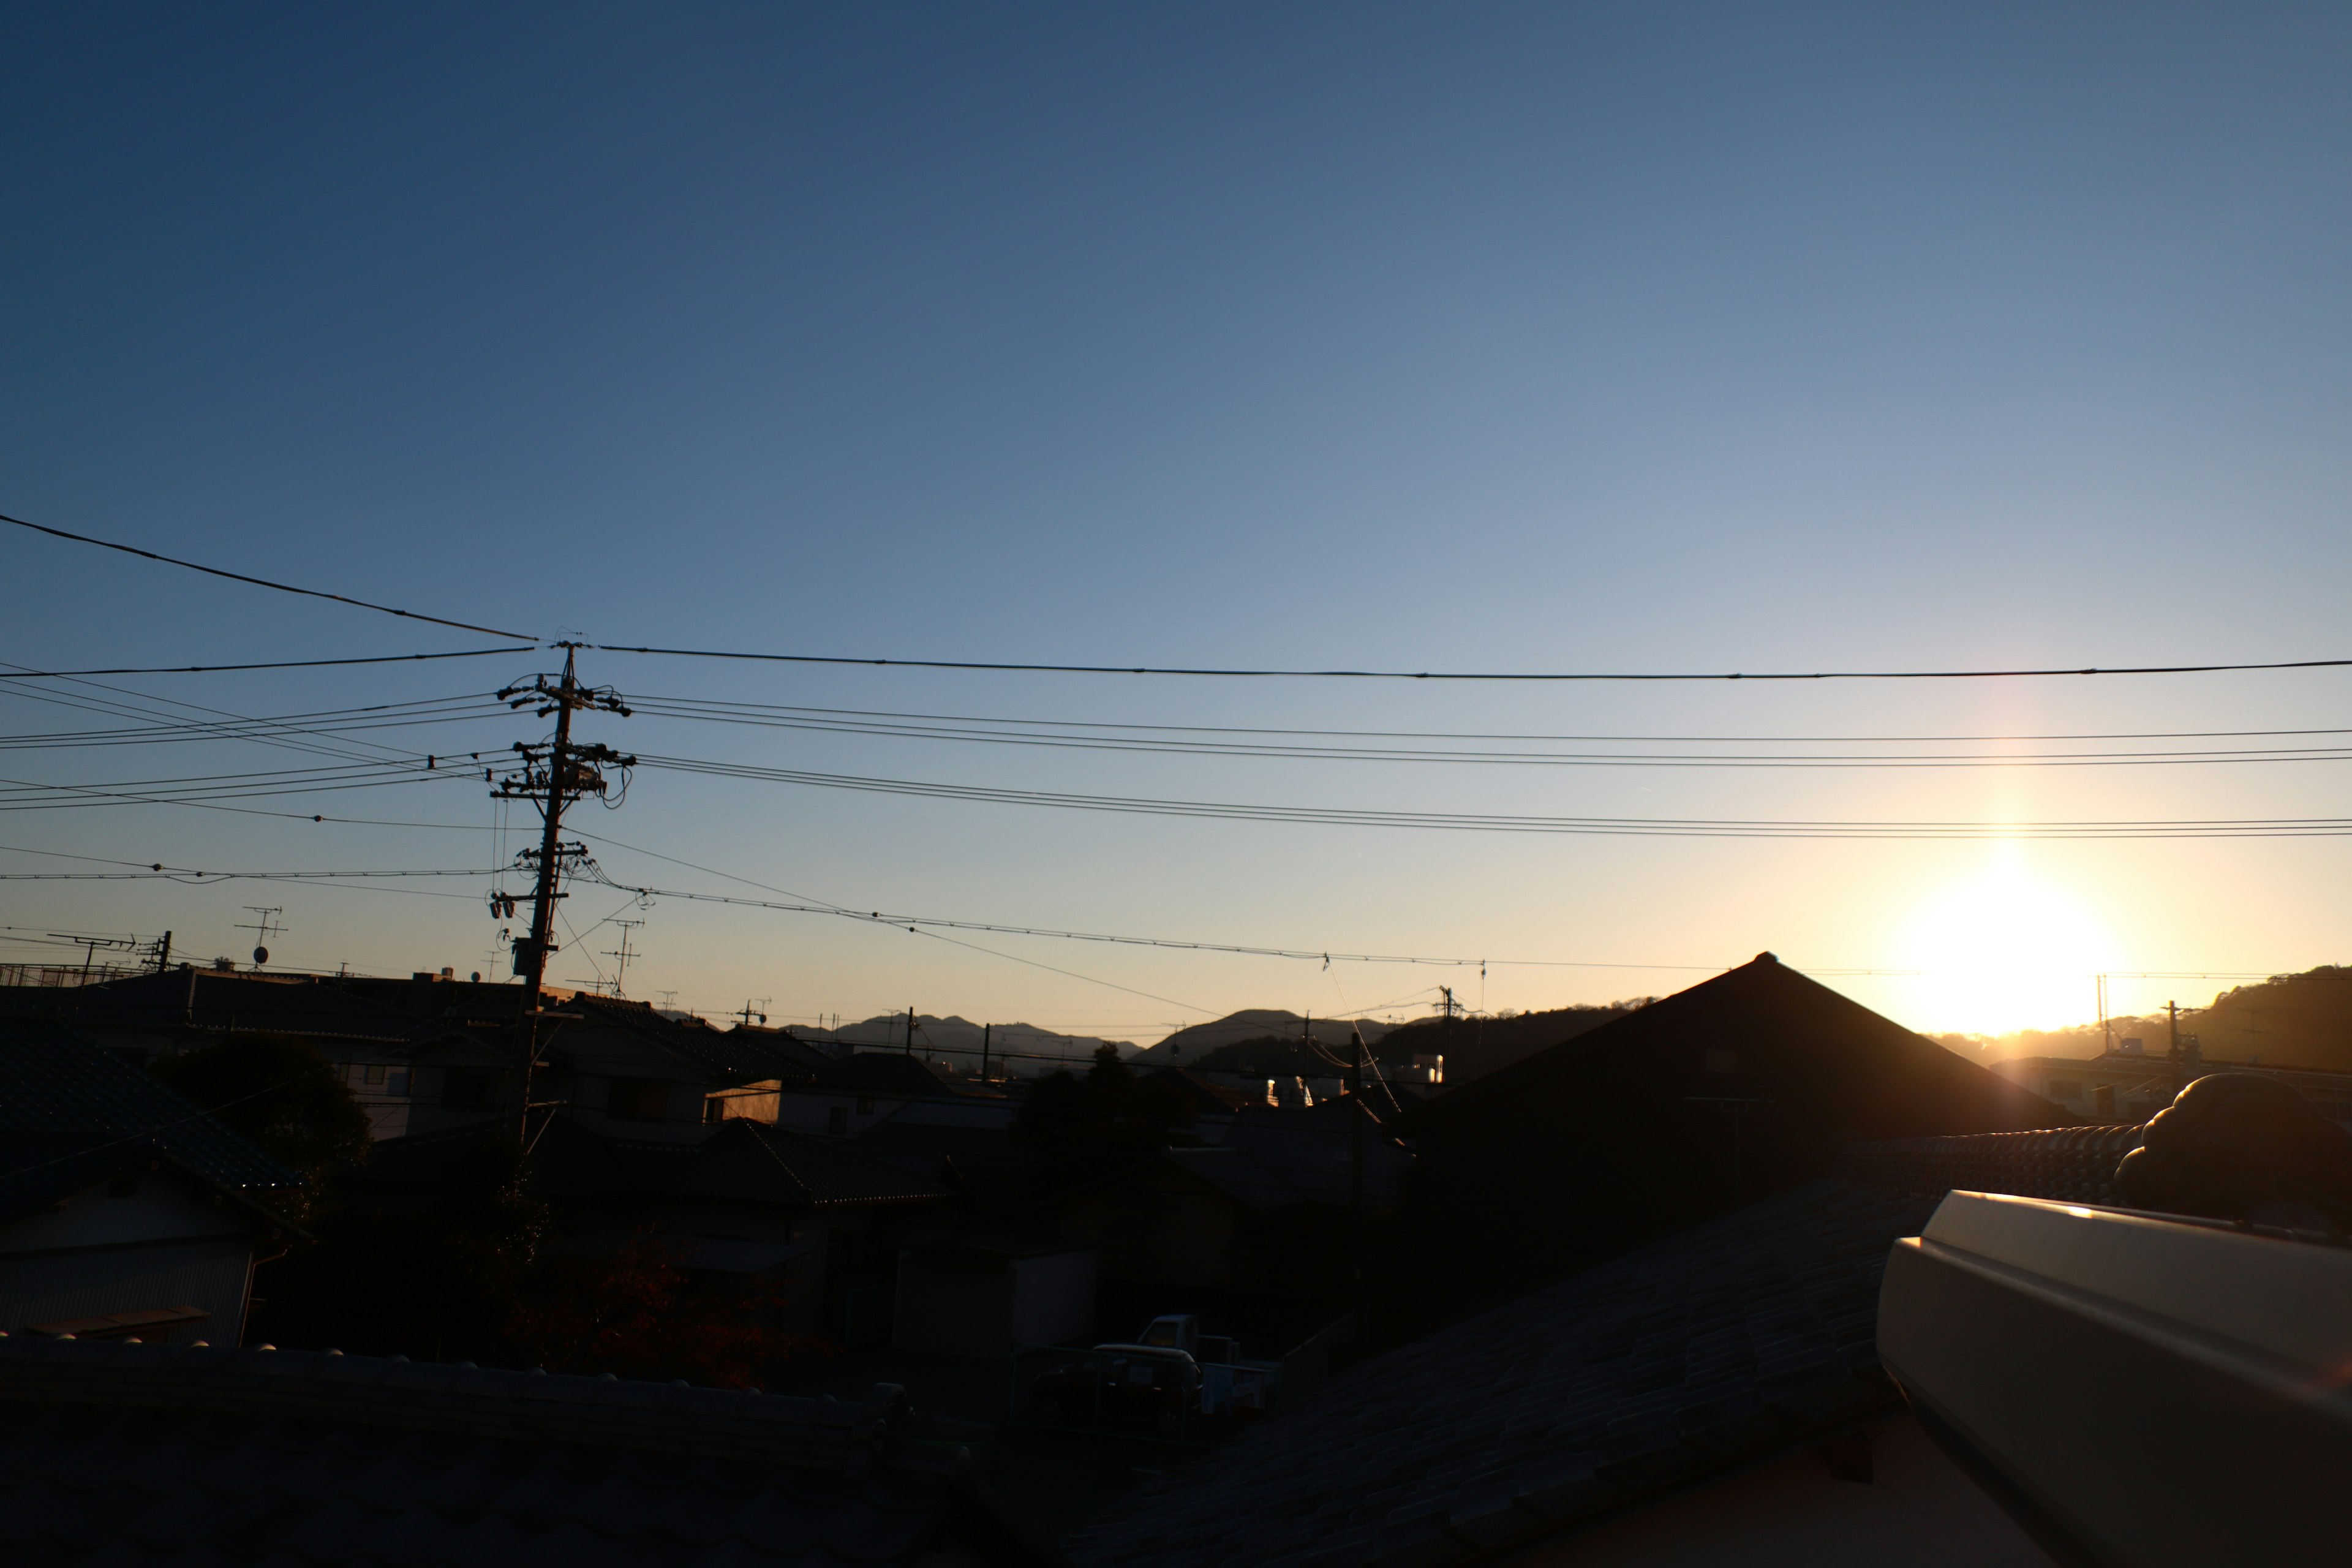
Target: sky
<point x="1493" y="338"/>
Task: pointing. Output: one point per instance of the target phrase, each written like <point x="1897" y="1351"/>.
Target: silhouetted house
<point x="1741" y="1086"/>
<point x="133" y="1454"/>
<point x="124" y="1210"/>
<point x="610" y="1064"/>
<point x="749" y="1200"/>
<point x="849" y="1095"/>
<point x="1716" y="1398"/>
<point x="372" y="1043"/>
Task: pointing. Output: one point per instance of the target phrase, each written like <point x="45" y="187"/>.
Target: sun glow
<point x="2006" y="952"/>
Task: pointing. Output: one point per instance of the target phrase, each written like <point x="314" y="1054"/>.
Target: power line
<point x="1467" y="675"/>
<point x="265" y="583"/>
<point x="1672" y="828"/>
<point x="1105" y="738"/>
<point x="647" y="703"/>
<point x="272" y="664"/>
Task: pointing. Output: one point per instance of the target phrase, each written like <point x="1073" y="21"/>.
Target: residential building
<point x="1747" y="1084"/>
<point x="124" y="1210"/>
<point x="146" y="1453"/>
<point x="745" y="1198"/>
<point x="846" y="1097"/>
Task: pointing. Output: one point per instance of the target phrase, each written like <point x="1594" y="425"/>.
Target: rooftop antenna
<point x="623" y="953"/>
<point x="90" y="946"/>
<point x="752" y="1009"/>
<point x="264" y="925"/>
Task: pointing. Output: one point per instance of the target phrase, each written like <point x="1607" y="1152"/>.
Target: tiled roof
<point x="2066" y="1165"/>
<point x="1704" y="1351"/>
<point x="210" y="1000"/>
<point x="1815" y="1042"/>
<point x="724" y="1056"/>
<point x="131" y="1454"/>
<point x="70" y="1114"/>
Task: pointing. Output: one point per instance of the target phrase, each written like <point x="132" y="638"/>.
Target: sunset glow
<point x="2005" y="951"/>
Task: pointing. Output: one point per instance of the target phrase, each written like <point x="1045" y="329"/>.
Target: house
<point x="2127" y="1084"/>
<point x="608" y="1063"/>
<point x="1712" y="1397"/>
<point x="144" y="1016"/>
<point x="747" y="1199"/>
<point x="149" y="1452"/>
<point x="1747" y="1084"/>
<point x="847" y="1096"/>
<point x="124" y="1210"/>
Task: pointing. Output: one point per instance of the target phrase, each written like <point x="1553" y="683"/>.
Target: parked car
<point x="1153" y="1388"/>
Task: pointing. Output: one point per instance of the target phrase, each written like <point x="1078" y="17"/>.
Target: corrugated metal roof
<point x="1695" y="1354"/>
<point x="149" y="1452"/>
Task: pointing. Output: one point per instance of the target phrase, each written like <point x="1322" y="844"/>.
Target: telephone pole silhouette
<point x="551" y="777"/>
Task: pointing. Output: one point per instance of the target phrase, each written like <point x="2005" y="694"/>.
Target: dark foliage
<point x="1106" y="1121"/>
<point x="440" y="1282"/>
<point x="284" y="1097"/>
<point x="1270" y="1056"/>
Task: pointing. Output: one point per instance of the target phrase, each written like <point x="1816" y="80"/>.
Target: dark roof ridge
<point x="1764" y="969"/>
<point x="606" y="1412"/>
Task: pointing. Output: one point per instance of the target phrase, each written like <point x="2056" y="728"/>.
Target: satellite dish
<point x="260" y="955"/>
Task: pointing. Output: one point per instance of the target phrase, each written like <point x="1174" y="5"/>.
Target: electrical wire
<point x="265" y="583"/>
<point x="1671" y="827"/>
<point x="1102" y="739"/>
<point x="270" y="664"/>
<point x="1465" y="675"/>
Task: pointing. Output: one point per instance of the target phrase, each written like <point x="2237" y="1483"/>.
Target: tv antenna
<point x="264" y="925"/>
<point x="755" y="1008"/>
<point x="622" y="954"/>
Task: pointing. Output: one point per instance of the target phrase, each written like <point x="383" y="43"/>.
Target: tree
<point x="1106" y="1121"/>
<point x="283" y="1097"/>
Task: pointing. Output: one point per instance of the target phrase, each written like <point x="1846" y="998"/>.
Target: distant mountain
<point x="2289" y="1020"/>
<point x="1188" y="1045"/>
<point x="1024" y="1048"/>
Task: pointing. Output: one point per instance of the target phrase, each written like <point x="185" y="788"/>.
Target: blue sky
<point x="1680" y="338"/>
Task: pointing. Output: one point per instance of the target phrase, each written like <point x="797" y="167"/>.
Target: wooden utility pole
<point x="551" y="777"/>
<point x="910" y="1029"/>
<point x="1356" y="1166"/>
<point x="985" y="1030"/>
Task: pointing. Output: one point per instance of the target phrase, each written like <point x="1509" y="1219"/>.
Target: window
<point x="376" y="1075"/>
<point x="2065" y="1088"/>
<point x="638" y="1100"/>
<point x="836" y="1121"/>
<point x="714" y="1108"/>
<point x="864" y="1105"/>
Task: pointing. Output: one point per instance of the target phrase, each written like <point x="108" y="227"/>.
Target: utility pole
<point x="551" y="777"/>
<point x="751" y="1011"/>
<point x="985" y="1030"/>
<point x="1445" y="1043"/>
<point x="2106" y="1029"/>
<point x="1356" y="1164"/>
<point x="911" y="1030"/>
<point x="164" y="954"/>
